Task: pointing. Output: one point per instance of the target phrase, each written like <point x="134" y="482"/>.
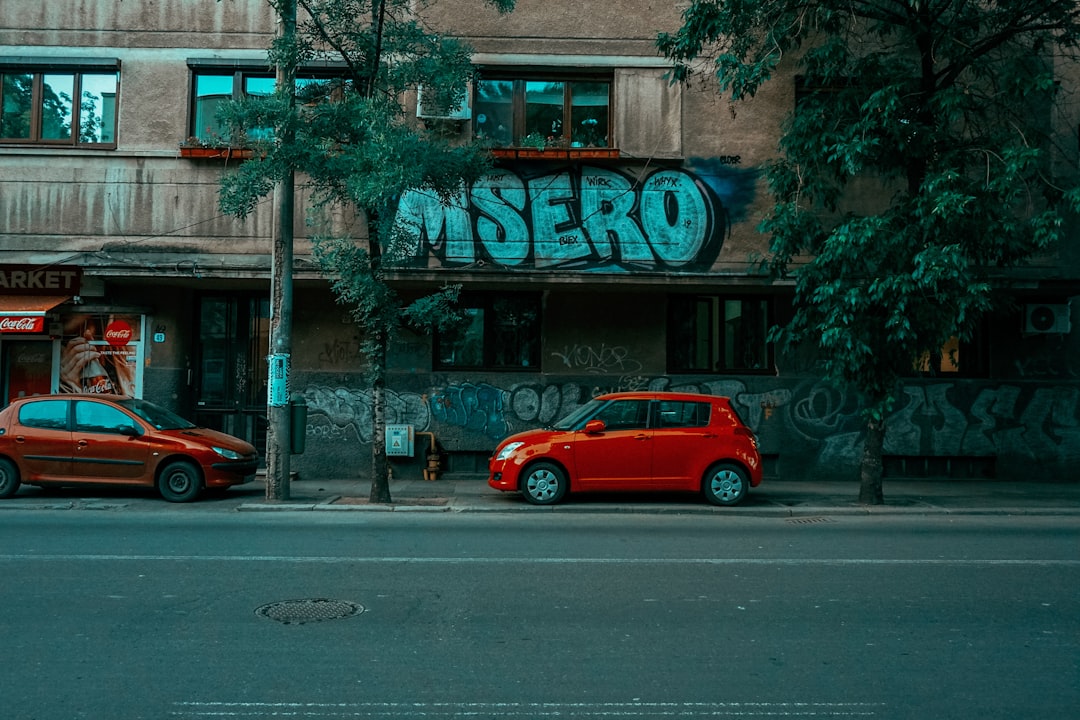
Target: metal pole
<point x="278" y="437"/>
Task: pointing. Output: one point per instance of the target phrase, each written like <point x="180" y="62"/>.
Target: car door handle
<point x="642" y="437"/>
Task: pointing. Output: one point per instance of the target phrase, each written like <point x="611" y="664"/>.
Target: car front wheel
<point x="179" y="482"/>
<point x="9" y="478"/>
<point x="544" y="484"/>
<point x="725" y="484"/>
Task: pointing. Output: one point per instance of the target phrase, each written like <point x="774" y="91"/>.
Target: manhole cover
<point x="808" y="520"/>
<point x="298" y="612"/>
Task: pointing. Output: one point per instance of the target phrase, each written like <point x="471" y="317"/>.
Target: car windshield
<point x="159" y="417"/>
<point x="577" y="418"/>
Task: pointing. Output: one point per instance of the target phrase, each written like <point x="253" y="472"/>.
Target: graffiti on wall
<point x="601" y="358"/>
<point x="577" y="217"/>
<point x="812" y="419"/>
<point x="348" y="413"/>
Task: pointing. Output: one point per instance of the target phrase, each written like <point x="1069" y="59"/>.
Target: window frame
<point x="713" y="339"/>
<point x="958" y="359"/>
<point x="78" y="69"/>
<point x="519" y="80"/>
<point x="239" y="72"/>
<point x="491" y="350"/>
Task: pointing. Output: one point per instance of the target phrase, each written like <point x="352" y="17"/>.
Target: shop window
<point x="54" y="104"/>
<point x="543" y="111"/>
<point x="214" y="86"/>
<point x="500" y="332"/>
<point x="715" y="333"/>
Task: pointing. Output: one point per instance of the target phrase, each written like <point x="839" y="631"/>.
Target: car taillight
<point x="743" y="430"/>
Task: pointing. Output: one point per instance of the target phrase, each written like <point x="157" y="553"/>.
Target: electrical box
<point x="400" y="440"/>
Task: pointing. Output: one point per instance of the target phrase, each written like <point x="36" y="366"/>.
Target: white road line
<point x="529" y="710"/>
<point x="336" y="560"/>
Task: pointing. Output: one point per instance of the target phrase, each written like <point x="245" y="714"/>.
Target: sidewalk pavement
<point x="776" y="498"/>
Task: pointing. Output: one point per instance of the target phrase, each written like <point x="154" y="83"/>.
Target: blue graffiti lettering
<point x="585" y="216"/>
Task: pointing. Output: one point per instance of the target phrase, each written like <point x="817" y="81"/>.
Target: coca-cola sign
<point x="25" y="323"/>
<point x="118" y="333"/>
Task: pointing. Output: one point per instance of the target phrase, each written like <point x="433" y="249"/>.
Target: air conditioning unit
<point x="461" y="112"/>
<point x="1042" y="318"/>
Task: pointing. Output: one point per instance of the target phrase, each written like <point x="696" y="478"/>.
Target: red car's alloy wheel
<point x="544" y="484"/>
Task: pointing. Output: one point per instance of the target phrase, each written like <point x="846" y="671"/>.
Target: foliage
<point x="348" y="139"/>
<point x="916" y="164"/>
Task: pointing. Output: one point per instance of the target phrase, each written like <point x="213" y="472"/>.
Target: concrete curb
<point x="773" y="512"/>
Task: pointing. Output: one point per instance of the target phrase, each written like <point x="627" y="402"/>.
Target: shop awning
<point x="26" y="313"/>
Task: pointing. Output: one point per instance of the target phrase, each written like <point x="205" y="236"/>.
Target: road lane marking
<point x="335" y="560"/>
<point x="528" y="710"/>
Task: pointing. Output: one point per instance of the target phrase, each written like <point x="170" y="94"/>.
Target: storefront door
<point x="27" y="368"/>
<point x="234" y="339"/>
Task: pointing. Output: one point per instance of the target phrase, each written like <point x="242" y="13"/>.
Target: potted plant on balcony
<point x="213" y="149"/>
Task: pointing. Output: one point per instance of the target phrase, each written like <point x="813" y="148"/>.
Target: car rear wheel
<point x="725" y="484"/>
<point x="179" y="482"/>
<point x="9" y="478"/>
<point x="544" y="484"/>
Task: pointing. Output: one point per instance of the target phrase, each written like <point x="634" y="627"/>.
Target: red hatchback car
<point x="633" y="441"/>
<point x="107" y="439"/>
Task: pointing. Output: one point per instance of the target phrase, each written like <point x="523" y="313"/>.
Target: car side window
<point x="95" y="417"/>
<point x="48" y="414"/>
<point x="680" y="414"/>
<point x="625" y="414"/>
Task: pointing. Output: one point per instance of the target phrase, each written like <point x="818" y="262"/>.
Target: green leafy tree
<point x="351" y="144"/>
<point x="941" y="111"/>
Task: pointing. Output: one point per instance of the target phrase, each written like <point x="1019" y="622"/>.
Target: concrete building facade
<point x="613" y="247"/>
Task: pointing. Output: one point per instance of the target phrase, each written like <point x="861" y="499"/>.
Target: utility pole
<point x="279" y="436"/>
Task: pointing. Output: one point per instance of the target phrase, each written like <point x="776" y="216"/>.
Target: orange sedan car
<point x="107" y="439"/>
<point x="633" y="441"/>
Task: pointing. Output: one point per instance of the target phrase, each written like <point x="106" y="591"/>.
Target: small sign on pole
<point x="278" y="385"/>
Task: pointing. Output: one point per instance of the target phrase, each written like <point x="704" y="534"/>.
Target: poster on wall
<point x="100" y="354"/>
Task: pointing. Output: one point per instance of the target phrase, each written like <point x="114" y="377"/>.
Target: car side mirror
<point x="595" y="427"/>
<point x="130" y="431"/>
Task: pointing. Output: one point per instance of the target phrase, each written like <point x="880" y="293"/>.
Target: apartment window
<point x="213" y="86"/>
<point x="716" y="333"/>
<point x="541" y="111"/>
<point x="956" y="359"/>
<point x="59" y="104"/>
<point x="500" y="332"/>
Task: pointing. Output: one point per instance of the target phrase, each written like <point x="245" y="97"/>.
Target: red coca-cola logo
<point x="22" y="324"/>
<point x="118" y="333"/>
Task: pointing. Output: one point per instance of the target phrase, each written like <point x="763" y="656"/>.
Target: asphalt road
<point x="117" y="616"/>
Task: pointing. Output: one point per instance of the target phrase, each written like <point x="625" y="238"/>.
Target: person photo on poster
<point x="87" y="365"/>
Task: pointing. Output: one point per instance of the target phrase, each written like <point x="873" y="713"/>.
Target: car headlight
<point x="508" y="450"/>
<point x="227" y="454"/>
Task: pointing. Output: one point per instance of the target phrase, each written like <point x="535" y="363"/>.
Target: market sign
<point x="29" y="292"/>
<point x="40" y="280"/>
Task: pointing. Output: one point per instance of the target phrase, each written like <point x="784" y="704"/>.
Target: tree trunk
<point x="870" y="491"/>
<point x="380" y="477"/>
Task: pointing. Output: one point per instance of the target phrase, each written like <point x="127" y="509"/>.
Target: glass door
<point x="234" y="338"/>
